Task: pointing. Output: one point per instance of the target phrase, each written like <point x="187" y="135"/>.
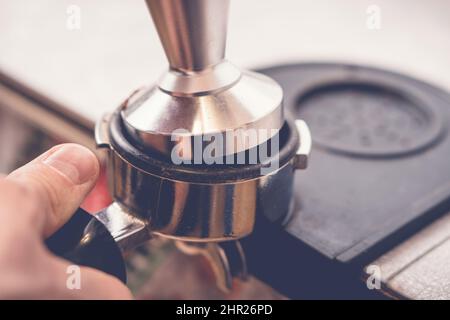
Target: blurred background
<point x="63" y="63"/>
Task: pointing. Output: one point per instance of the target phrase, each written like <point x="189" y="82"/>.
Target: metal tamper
<point x="196" y="156"/>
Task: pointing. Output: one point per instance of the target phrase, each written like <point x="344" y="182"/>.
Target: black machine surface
<point x="379" y="171"/>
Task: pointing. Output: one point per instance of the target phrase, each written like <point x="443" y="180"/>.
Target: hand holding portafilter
<point x="204" y="95"/>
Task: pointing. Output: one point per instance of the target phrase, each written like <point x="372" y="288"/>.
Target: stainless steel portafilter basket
<point x="193" y="156"/>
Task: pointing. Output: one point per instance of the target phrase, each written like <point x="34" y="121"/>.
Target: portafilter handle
<point x="99" y="240"/>
<point x="86" y="241"/>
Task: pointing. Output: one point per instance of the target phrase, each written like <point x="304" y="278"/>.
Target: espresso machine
<point x="206" y="204"/>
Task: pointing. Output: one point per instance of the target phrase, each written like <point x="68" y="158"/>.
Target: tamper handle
<point x="193" y="32"/>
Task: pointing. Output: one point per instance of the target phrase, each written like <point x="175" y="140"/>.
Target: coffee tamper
<point x="195" y="157"/>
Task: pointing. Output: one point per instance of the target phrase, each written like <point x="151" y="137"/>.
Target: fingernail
<point x="75" y="162"/>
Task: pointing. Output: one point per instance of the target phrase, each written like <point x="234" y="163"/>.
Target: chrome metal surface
<point x="201" y="93"/>
<point x="193" y="32"/>
<point x="101" y="132"/>
<point x="184" y="210"/>
<point x="300" y="160"/>
<point x="127" y="230"/>
<point x="152" y="117"/>
<point x="196" y="211"/>
<point x="227" y="260"/>
<point x="185" y="84"/>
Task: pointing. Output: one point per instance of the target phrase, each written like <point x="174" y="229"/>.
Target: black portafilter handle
<point x="85" y="241"/>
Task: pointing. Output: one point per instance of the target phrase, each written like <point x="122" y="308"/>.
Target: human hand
<point x="36" y="200"/>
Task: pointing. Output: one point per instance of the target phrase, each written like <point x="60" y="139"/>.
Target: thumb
<point x="60" y="178"/>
